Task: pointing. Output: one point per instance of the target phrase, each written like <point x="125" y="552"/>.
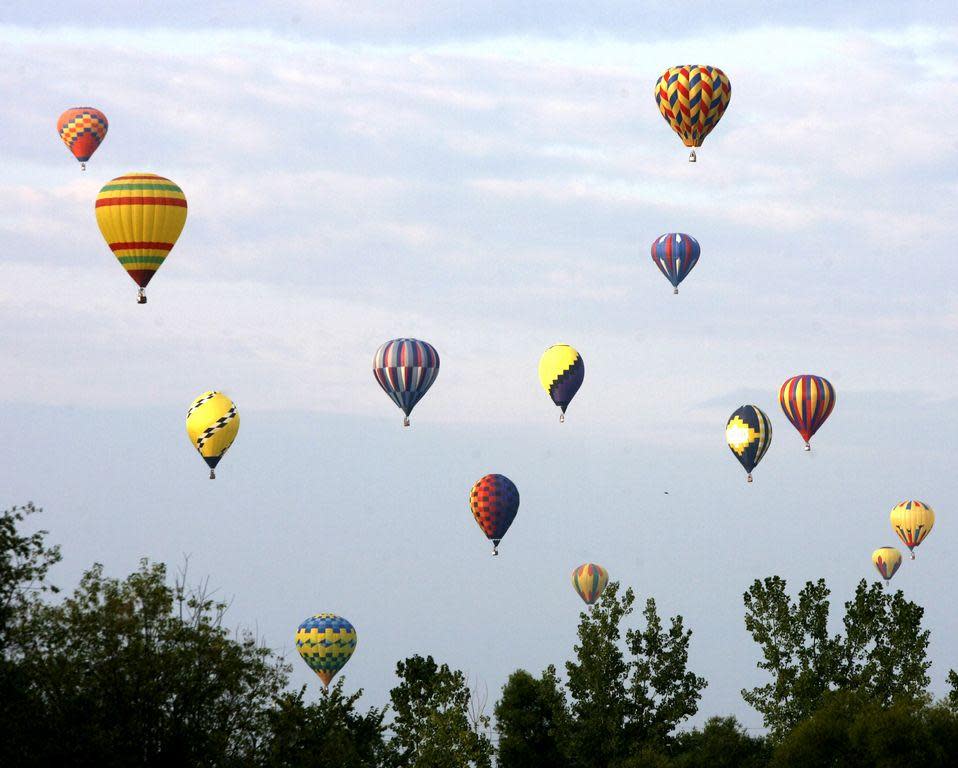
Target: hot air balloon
<point x="675" y="254"/>
<point x="692" y="99"/>
<point x="561" y="372"/>
<point x="807" y="401"/>
<point x="748" y="434"/>
<point x="887" y="560"/>
<point x="82" y="130"/>
<point x="406" y="369"/>
<point x="326" y="642"/>
<point x="212" y="423"/>
<point x="912" y="521"/>
<point x="494" y="501"/>
<point x="141" y="215"/>
<point x="589" y="580"/>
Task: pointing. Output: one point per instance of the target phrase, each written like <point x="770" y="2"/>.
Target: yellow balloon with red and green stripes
<point x="141" y="215"/>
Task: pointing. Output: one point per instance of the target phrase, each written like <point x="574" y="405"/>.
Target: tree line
<point x="144" y="672"/>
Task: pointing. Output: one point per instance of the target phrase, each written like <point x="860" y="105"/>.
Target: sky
<point x="488" y="180"/>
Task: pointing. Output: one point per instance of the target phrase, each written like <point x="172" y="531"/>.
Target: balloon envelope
<point x="807" y="401"/>
<point x="912" y="521"/>
<point x="589" y="580"/>
<point x="141" y="215"/>
<point x="748" y="433"/>
<point x="887" y="560"/>
<point x="692" y="98"/>
<point x="326" y="642"/>
<point x="212" y="423"/>
<point x="561" y="372"/>
<point x="675" y="254"/>
<point x="82" y="130"/>
<point x="494" y="501"/>
<point x="406" y="369"/>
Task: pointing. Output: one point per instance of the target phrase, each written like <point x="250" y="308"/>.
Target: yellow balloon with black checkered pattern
<point x="212" y="423"/>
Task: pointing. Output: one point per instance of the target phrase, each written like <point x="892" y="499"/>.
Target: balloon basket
<point x="675" y="291"/>
<point x="807" y="447"/>
<point x="212" y="474"/>
<point x="82" y="166"/>
<point x="562" y="418"/>
<point x="405" y="421"/>
<point x="748" y="479"/>
<point x="692" y="157"/>
<point x="141" y="296"/>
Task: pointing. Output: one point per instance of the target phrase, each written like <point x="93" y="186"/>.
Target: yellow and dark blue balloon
<point x="561" y="372"/>
<point x="675" y="254"/>
<point x="748" y="433"/>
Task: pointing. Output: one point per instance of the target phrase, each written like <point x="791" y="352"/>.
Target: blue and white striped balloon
<point x="406" y="369"/>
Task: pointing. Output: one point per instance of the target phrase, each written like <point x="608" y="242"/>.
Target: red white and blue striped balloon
<point x="675" y="254"/>
<point x="405" y="369"/>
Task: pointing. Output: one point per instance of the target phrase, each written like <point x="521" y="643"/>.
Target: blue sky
<point x="490" y="183"/>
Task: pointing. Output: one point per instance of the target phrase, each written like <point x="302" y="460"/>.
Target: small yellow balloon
<point x="912" y="521"/>
<point x="887" y="560"/>
<point x="212" y="423"/>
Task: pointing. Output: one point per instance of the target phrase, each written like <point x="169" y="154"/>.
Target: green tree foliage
<point x="532" y="720"/>
<point x="882" y="652"/>
<point x="136" y="672"/>
<point x="329" y="732"/>
<point x="853" y="730"/>
<point x="24" y="562"/>
<point x="624" y="705"/>
<point x="722" y="743"/>
<point x="662" y="691"/>
<point x="433" y="726"/>
<point x="953" y="689"/>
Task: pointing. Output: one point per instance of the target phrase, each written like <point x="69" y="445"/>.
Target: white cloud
<point x="459" y="187"/>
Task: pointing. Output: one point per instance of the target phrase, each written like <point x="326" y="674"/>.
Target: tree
<point x="431" y="727"/>
<point x="532" y="720"/>
<point x="136" y="672"/>
<point x="851" y="729"/>
<point x="722" y="743"/>
<point x="952" y="699"/>
<point x="597" y="682"/>
<point x="25" y="560"/>
<point x="622" y="706"/>
<point x="663" y="691"/>
<point x="882" y="652"/>
<point x="324" y="733"/>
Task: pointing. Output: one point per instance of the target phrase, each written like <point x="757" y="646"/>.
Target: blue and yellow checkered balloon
<point x="326" y="642"/>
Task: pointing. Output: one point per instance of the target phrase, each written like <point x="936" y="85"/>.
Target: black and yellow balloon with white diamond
<point x="212" y="423"/>
<point x="748" y="434"/>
